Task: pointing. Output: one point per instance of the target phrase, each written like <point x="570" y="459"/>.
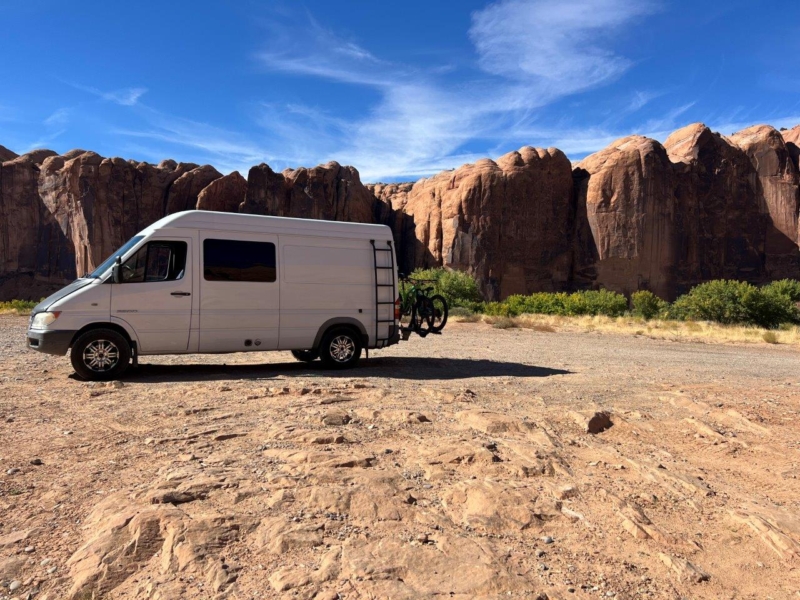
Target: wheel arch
<point x="350" y="322"/>
<point x="103" y="325"/>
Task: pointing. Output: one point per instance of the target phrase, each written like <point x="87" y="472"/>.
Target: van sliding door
<point x="239" y="292"/>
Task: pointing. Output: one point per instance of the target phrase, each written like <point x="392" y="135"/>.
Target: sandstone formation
<point x="6" y="154"/>
<point x="636" y="215"/>
<point x="508" y="222"/>
<point x="224" y="194"/>
<point x="792" y="139"/>
<point x="329" y="191"/>
<point x="625" y="225"/>
<point x="722" y="229"/>
<point x="778" y="192"/>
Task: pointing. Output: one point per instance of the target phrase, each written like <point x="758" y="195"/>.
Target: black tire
<point x="340" y="348"/>
<point x="423" y="316"/>
<point x="100" y="355"/>
<point x="439" y="316"/>
<point x="305" y="355"/>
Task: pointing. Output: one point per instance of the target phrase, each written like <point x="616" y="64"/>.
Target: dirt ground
<point x="457" y="466"/>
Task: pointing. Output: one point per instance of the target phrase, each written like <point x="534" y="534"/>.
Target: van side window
<point x="237" y="260"/>
<point x="155" y="261"/>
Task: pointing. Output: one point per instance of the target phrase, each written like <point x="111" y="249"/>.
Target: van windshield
<point x="110" y="260"/>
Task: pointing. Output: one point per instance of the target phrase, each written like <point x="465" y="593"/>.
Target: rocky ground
<point x="480" y="463"/>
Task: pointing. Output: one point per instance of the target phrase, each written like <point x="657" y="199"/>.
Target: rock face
<point x="329" y="191"/>
<point x="792" y="139"/>
<point x="722" y="229"/>
<point x="34" y="252"/>
<point x="636" y="215"/>
<point x="778" y="192"/>
<point x="224" y="194"/>
<point x="101" y="202"/>
<point x="507" y="222"/>
<point x="625" y="226"/>
<point x="6" y="154"/>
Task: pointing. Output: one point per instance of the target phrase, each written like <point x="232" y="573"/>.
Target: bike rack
<point x="392" y="328"/>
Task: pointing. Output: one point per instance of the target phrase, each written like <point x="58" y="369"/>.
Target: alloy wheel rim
<point x="101" y="356"/>
<point x="342" y="348"/>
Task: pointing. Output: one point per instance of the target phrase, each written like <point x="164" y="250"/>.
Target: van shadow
<point x="412" y="368"/>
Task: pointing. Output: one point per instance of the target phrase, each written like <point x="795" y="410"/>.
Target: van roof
<point x="222" y="221"/>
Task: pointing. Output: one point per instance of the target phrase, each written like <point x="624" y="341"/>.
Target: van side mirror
<point x="116" y="276"/>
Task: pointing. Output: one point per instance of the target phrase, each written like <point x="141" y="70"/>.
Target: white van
<point x="210" y="282"/>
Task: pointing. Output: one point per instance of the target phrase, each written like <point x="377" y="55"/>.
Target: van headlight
<point x="43" y="319"/>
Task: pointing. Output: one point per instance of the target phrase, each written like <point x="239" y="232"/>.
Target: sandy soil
<point x="458" y="466"/>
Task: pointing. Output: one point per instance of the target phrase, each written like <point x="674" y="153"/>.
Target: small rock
<point x="13" y="471"/>
<point x="547" y="539"/>
<point x="116" y="384"/>
<point x="52" y="570"/>
<point x="29" y="549"/>
<point x="37" y="462"/>
<point x="593" y="422"/>
<point x="67" y="432"/>
<point x="416" y="417"/>
<point x="540" y="553"/>
<point x="224" y="388"/>
<point x="335" y="419"/>
<point x="45" y="562"/>
<point x="14" y="586"/>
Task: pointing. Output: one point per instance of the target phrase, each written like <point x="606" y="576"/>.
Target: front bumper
<point x="50" y="342"/>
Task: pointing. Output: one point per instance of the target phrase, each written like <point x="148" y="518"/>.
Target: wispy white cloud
<point x="59" y="117"/>
<point x="226" y="150"/>
<point x="530" y="53"/>
<point x="124" y="97"/>
<point x="558" y="46"/>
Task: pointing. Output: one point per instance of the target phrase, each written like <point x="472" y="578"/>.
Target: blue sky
<point x="399" y="90"/>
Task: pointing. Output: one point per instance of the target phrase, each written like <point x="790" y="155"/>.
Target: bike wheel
<point x="439" y="313"/>
<point x="423" y="316"/>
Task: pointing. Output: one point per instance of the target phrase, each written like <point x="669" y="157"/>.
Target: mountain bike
<point x="421" y="311"/>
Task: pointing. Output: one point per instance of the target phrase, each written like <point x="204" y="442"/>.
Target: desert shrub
<point x="596" y="302"/>
<point x="458" y="288"/>
<point x="647" y="305"/>
<point x="503" y="323"/>
<point x="497" y="309"/>
<point x="460" y="311"/>
<point x="770" y="337"/>
<point x="736" y="302"/>
<point x="17" y="306"/>
<point x="784" y="287"/>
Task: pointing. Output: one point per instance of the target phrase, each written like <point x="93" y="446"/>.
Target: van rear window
<point x="238" y="260"/>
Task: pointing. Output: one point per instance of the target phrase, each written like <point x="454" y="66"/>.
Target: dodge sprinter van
<point x="210" y="282"/>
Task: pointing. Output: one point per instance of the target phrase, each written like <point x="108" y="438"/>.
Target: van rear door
<point x="154" y="295"/>
<point x="239" y="292"/>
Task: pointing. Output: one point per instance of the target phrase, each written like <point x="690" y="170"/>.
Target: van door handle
<point x="180" y="294"/>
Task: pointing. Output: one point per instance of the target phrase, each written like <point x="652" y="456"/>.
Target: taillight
<point x="397" y="309"/>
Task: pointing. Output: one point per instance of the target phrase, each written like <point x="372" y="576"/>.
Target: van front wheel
<point x="100" y="355"/>
<point x="340" y="348"/>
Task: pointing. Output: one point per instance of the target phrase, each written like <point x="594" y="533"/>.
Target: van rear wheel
<point x="340" y="348"/>
<point x="305" y="355"/>
<point x="100" y="355"/>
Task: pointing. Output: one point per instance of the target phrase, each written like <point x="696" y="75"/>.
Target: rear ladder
<point x="380" y="296"/>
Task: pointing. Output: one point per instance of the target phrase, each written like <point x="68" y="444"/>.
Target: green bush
<point x="457" y="287"/>
<point x="596" y="302"/>
<point x="497" y="309"/>
<point x="647" y="305"/>
<point x="736" y="302"/>
<point x="19" y="306"/>
<point x="785" y="287"/>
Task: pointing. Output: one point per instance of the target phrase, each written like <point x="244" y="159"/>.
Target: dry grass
<point x="690" y="331"/>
